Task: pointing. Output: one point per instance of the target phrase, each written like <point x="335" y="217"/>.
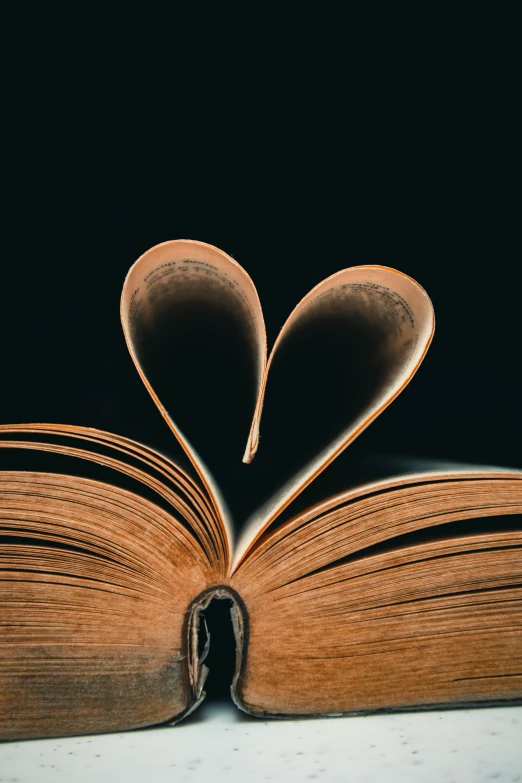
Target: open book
<point x="399" y="586"/>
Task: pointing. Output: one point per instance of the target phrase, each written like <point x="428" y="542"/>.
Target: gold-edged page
<point x="194" y="328"/>
<point x="376" y="322"/>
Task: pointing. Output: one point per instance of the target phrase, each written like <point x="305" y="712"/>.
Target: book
<point x="387" y="585"/>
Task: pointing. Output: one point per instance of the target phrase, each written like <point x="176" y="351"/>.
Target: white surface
<point x="221" y="743"/>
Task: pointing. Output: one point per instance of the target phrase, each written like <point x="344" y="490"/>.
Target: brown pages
<point x="388" y="312"/>
<point x="397" y="586"/>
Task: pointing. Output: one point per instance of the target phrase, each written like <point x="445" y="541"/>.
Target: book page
<point x="377" y="474"/>
<point x="195" y="331"/>
<point x="346" y="351"/>
<point x="194" y="328"/>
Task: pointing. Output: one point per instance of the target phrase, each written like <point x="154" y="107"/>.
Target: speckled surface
<point x="221" y="743"/>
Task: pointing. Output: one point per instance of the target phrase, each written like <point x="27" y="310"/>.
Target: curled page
<point x="373" y="322"/>
<point x="194" y="328"/>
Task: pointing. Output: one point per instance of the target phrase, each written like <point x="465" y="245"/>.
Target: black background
<point x="300" y="141"/>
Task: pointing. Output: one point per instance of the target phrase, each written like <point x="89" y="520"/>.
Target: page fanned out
<point x="379" y="583"/>
<point x="379" y="324"/>
<point x="194" y="328"/>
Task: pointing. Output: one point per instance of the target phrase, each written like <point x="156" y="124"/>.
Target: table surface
<point x="219" y="742"/>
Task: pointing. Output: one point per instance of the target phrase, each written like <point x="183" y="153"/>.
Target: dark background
<point x="300" y="141"/>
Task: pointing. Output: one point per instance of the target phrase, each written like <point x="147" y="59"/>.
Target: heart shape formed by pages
<point x="195" y="330"/>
